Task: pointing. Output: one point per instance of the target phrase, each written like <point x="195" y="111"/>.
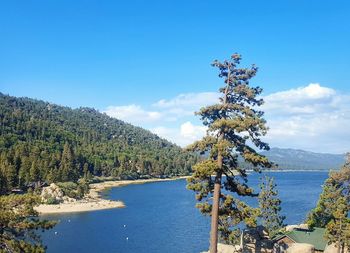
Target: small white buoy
<point x="125" y="226"/>
<point x="55" y="232"/>
<point x="127" y="238"/>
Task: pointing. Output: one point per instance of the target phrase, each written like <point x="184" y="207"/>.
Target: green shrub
<point x="52" y="201"/>
<point x="69" y="189"/>
<point x="75" y="190"/>
<point x="82" y="188"/>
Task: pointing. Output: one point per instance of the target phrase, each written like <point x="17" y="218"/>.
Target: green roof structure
<point x="314" y="237"/>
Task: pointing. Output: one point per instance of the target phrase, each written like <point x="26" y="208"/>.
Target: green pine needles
<point x="19" y="224"/>
<point x="40" y="141"/>
<point x="333" y="207"/>
<point x="270" y="206"/>
<point x="235" y="127"/>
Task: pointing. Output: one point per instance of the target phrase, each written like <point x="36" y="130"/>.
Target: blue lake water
<point x="161" y="217"/>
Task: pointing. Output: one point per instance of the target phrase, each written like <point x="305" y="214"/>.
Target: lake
<point x="161" y="217"/>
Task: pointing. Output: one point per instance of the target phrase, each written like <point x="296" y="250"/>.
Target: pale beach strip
<point x="93" y="201"/>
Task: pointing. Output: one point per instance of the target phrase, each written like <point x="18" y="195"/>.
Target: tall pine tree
<point x="270" y="206"/>
<point x="67" y="166"/>
<point x="233" y="124"/>
<point x="34" y="172"/>
<point x="338" y="229"/>
<point x="333" y="207"/>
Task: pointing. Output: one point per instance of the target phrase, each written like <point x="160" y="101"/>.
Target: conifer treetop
<point x="235" y="117"/>
<point x="235" y="127"/>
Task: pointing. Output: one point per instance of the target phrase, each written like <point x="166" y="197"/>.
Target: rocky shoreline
<point x="92" y="201"/>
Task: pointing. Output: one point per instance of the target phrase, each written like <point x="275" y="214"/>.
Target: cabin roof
<point x="314" y="237"/>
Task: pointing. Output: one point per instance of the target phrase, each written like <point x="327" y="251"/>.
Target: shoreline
<point x="289" y="170"/>
<point x="94" y="201"/>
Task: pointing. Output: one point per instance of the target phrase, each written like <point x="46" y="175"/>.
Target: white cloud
<point x="313" y="117"/>
<point x="171" y="118"/>
<point x="192" y="132"/>
<point x="313" y="91"/>
<point x="172" y="110"/>
<point x="186" y="134"/>
<point x="165" y="132"/>
<point x="303" y="100"/>
<point x="133" y="114"/>
<point x="189" y="100"/>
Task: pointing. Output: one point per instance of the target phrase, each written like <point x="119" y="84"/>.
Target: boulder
<point x="291" y="227"/>
<point x="224" y="248"/>
<point x="300" y="226"/>
<point x="301" y="248"/>
<point x="304" y="226"/>
<point x="52" y="192"/>
<point x="333" y="249"/>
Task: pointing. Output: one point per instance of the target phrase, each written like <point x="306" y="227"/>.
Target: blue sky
<point x="123" y="57"/>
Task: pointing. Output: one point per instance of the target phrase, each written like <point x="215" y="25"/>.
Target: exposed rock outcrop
<point x="224" y="248"/>
<point x="301" y="248"/>
<point x="300" y="226"/>
<point x="333" y="249"/>
<point x="52" y="194"/>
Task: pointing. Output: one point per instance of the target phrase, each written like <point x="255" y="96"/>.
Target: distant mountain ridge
<point x="296" y="159"/>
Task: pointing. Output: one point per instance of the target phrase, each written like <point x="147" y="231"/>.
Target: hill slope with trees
<point x="40" y="141"/>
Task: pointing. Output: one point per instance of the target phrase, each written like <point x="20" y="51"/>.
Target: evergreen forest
<point x="40" y="141"/>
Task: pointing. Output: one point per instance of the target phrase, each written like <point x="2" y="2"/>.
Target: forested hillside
<point x="43" y="141"/>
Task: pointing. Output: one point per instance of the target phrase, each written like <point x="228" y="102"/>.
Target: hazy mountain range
<point x="296" y="159"/>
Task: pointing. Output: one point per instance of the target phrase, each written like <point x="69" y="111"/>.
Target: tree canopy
<point x="47" y="142"/>
<point x="333" y="207"/>
<point x="235" y="125"/>
<point x="270" y="206"/>
<point x="19" y="222"/>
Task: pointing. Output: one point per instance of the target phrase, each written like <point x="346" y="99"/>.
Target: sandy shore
<point x="93" y="201"/>
<point x="79" y="206"/>
<point x="98" y="187"/>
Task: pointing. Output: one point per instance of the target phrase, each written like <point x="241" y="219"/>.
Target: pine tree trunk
<point x="217" y="188"/>
<point x="215" y="210"/>
<point x="340" y="242"/>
